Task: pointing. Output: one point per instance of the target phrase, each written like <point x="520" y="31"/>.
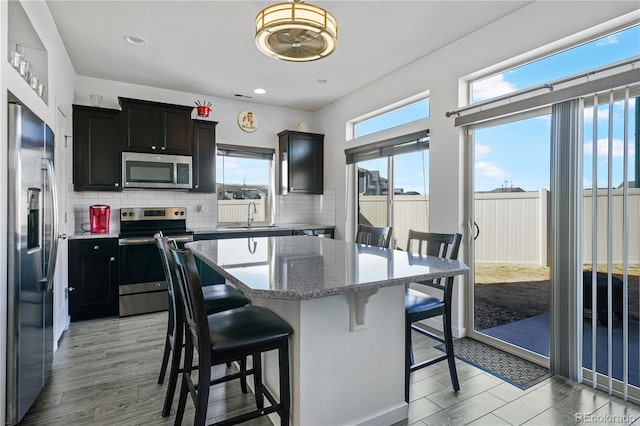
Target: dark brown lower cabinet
<point x="93" y="278"/>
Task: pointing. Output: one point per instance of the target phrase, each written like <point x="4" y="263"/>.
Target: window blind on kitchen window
<point x="411" y="142"/>
<point x="245" y="152"/>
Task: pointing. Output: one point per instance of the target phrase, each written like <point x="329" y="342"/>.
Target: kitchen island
<point x="345" y="302"/>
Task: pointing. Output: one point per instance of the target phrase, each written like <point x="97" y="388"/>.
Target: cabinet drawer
<point x="97" y="246"/>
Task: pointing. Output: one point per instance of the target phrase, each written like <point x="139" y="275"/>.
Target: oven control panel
<point x="152" y="213"/>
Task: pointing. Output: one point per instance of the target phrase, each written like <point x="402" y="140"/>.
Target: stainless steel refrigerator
<point x="32" y="249"/>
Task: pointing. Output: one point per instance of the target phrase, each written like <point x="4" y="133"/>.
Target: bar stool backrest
<point x="445" y="246"/>
<point x="190" y="294"/>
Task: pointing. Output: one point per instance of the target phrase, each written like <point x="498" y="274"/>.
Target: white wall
<point x="533" y="26"/>
<point x="61" y="84"/>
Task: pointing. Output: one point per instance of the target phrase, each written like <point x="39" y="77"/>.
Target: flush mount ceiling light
<point x="296" y="31"/>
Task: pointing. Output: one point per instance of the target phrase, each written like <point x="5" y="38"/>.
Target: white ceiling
<point x="207" y="47"/>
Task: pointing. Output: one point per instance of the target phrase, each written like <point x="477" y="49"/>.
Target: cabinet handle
<point x="62" y="236"/>
<point x="71" y="289"/>
<point x="116" y="184"/>
<point x="153" y="147"/>
<point x="112" y="259"/>
<point x="96" y="247"/>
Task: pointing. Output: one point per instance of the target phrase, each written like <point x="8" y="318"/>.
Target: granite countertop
<point x="257" y="228"/>
<point x="302" y="268"/>
<point x="88" y="235"/>
<point x="216" y="230"/>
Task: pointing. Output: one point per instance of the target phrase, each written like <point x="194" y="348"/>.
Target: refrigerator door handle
<point x="53" y="252"/>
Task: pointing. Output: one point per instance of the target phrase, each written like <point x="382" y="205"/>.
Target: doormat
<point x="507" y="367"/>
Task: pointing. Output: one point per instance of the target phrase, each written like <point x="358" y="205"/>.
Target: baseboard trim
<point x="389" y="417"/>
<point x="435" y="324"/>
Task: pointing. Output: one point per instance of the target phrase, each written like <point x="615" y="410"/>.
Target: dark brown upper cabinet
<point x="204" y="156"/>
<point x="301" y="162"/>
<point x="156" y="127"/>
<point x="97" y="162"/>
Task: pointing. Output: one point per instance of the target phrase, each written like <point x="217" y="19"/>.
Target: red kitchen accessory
<point x="99" y="218"/>
<point x="203" y="109"/>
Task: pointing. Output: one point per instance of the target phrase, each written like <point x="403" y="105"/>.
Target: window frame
<point x="412" y="100"/>
<point x="541" y="53"/>
<point x="255" y="153"/>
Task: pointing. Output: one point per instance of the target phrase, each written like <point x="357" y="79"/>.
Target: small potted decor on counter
<point x="203" y="109"/>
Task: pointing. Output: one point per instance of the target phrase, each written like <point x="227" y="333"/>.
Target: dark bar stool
<point x="420" y="306"/>
<point x="224" y="337"/>
<point x="217" y="298"/>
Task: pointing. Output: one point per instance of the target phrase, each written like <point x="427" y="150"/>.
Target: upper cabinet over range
<point x="156" y="127"/>
<point x="100" y="136"/>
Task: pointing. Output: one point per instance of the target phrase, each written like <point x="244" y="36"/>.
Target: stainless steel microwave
<point x="159" y="171"/>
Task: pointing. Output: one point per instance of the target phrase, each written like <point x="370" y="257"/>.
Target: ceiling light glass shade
<point x="296" y="31"/>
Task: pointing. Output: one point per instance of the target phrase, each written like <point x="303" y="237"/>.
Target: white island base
<point x="339" y="376"/>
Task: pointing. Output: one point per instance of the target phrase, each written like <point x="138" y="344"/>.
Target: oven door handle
<point x="136" y="241"/>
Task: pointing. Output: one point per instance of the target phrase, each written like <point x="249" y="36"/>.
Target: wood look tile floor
<point x="105" y="373"/>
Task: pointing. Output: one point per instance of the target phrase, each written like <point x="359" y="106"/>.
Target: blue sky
<point x="518" y="153"/>
<point x="242" y="171"/>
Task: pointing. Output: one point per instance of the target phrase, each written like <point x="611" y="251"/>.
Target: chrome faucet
<point x="250" y="214"/>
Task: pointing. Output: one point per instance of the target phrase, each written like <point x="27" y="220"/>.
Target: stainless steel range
<point x="143" y="287"/>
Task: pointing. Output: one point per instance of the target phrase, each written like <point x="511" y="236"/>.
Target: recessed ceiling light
<point x="260" y="91"/>
<point x="135" y="40"/>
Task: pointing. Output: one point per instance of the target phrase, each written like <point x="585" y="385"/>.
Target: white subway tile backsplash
<point x="290" y="208"/>
<point x="78" y="206"/>
<point x="303" y="208"/>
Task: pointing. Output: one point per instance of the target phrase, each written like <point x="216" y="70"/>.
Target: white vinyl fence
<point x="410" y="211"/>
<point x="514" y="225"/>
<point x="236" y="211"/>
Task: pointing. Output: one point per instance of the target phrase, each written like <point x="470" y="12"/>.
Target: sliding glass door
<point x="511" y="278"/>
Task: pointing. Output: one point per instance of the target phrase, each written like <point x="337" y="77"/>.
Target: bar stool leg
<point x="173" y="372"/>
<point x="285" y="396"/>
<point x="448" y="342"/>
<point x="408" y="357"/>
<point x="257" y="380"/>
<point x="243" y="379"/>
<point x="204" y="376"/>
<point x="184" y="386"/>
<point x="165" y="360"/>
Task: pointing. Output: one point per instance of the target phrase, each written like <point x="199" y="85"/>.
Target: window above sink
<point x="244" y="187"/>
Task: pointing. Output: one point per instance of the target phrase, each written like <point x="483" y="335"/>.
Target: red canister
<point x="99" y="218"/>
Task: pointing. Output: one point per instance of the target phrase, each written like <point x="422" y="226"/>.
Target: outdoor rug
<point x="510" y="368"/>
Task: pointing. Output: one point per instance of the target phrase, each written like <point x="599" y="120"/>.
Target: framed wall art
<point x="248" y="121"/>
